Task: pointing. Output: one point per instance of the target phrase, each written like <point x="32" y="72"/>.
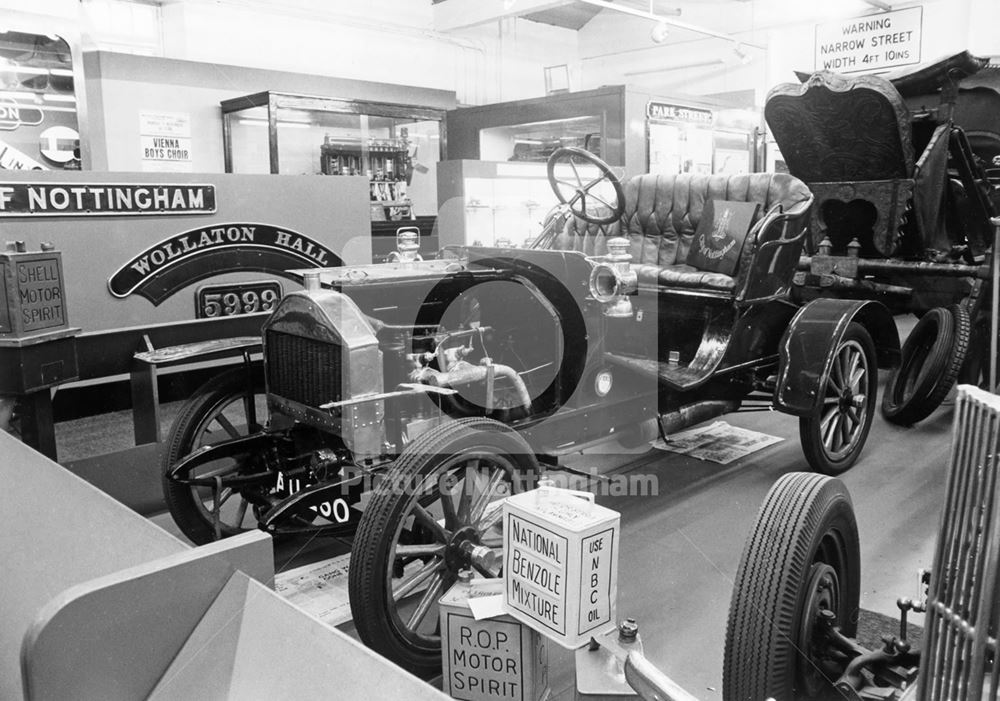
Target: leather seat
<point x="662" y="214"/>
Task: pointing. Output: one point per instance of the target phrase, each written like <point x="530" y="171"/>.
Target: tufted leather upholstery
<point x="661" y="215"/>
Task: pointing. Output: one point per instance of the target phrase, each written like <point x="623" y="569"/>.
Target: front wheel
<point x="228" y="406"/>
<point x="435" y="512"/>
<point x="834" y="436"/>
<point x="799" y="580"/>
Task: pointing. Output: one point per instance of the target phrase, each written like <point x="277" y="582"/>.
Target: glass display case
<point x="688" y="139"/>
<point x="535" y="141"/>
<point x="395" y="146"/>
<point x="490" y="203"/>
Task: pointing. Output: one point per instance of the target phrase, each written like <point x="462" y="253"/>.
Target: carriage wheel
<point x="834" y="436"/>
<point x="228" y="406"/>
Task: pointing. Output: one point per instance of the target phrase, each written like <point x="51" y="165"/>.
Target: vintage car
<point x="900" y="165"/>
<point x="795" y="605"/>
<point x="404" y="399"/>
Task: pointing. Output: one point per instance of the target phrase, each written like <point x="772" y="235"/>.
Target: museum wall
<point x="120" y="86"/>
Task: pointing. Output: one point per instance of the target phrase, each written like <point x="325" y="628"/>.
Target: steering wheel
<point x="582" y="197"/>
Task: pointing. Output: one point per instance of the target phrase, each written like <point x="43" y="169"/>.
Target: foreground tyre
<point x="976" y="368"/>
<point x="925" y="364"/>
<point x="228" y="406"/>
<point x="798" y="576"/>
<point x="834" y="436"/>
<point x="428" y="518"/>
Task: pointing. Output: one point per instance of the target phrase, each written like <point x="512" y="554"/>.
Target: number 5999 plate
<point x="212" y="301"/>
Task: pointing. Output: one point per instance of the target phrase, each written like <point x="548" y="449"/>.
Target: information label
<point x="165" y="141"/>
<point x="597" y="554"/>
<point x="870" y="43"/>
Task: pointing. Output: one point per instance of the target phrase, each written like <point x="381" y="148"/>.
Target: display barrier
<point x="101" y="604"/>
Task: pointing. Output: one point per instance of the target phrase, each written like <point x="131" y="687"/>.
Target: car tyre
<point x="835" y="434"/>
<point x="976" y="369"/>
<point x="911" y="394"/>
<point x="801" y="557"/>
<point x="433" y="546"/>
<point x="210" y="410"/>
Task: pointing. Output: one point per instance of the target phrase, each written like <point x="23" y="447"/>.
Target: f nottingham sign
<point x="19" y="199"/>
<point x="166" y="267"/>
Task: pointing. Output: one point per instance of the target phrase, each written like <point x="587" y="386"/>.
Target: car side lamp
<point x="612" y="279"/>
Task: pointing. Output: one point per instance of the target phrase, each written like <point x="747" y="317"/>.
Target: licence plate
<point x="213" y="301"/>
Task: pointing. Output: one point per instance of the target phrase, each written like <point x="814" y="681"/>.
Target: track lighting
<point x="660" y="32"/>
<point x="741" y="54"/>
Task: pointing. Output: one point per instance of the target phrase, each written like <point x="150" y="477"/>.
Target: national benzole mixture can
<point x="561" y="563"/>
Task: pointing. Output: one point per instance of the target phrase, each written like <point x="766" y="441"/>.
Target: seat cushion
<point x="682" y="276"/>
<point x="660" y="218"/>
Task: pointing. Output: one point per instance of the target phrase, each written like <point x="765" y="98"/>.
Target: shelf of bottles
<point x="384" y="161"/>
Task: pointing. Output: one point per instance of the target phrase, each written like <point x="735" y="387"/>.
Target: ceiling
<point x="569" y="16"/>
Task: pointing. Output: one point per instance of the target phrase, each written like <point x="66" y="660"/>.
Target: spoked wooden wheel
<point x="833" y="437"/>
<point x="228" y="406"/>
<point x="598" y="200"/>
<point x="436" y="511"/>
<point x="796" y="593"/>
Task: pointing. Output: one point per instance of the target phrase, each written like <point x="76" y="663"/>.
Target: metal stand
<point x="994" y="302"/>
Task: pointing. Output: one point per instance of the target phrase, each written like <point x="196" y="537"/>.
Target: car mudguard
<point x="808" y="345"/>
<point x="255" y="443"/>
<point x="337" y="500"/>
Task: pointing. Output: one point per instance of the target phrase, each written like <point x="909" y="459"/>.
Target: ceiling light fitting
<point x="741" y="54"/>
<point x="661" y="17"/>
<point x="660" y="31"/>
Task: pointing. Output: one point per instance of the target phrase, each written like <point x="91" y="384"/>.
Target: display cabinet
<point x="396" y="146"/>
<point x="489" y="203"/>
<point x="623" y="125"/>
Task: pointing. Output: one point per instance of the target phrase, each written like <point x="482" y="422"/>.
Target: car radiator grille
<point x="303" y="369"/>
<point x="959" y="659"/>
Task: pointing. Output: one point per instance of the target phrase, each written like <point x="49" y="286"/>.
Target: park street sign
<point x="561" y="563"/>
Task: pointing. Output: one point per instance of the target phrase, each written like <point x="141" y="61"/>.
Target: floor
<point x="681" y="546"/>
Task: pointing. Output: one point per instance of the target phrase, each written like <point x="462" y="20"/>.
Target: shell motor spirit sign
<point x="870" y="43"/>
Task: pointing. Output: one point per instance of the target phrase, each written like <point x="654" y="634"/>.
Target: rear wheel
<point x="834" y="436"/>
<point x="228" y="406"/>
<point x="435" y="512"/>
<point x="798" y="578"/>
